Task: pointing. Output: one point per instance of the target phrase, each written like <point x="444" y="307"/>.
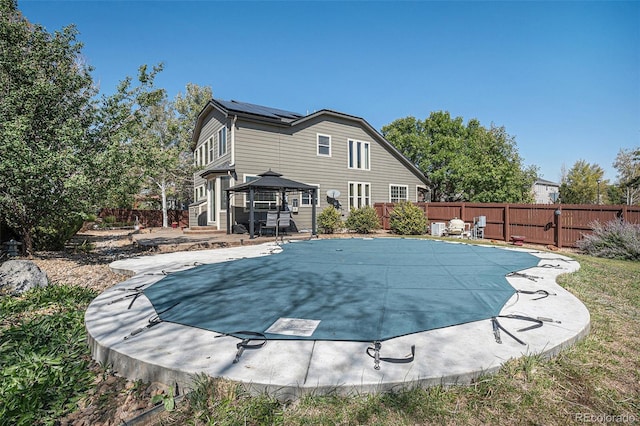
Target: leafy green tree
<point x="63" y="152"/>
<point x="186" y="108"/>
<point x="163" y="146"/>
<point x="46" y="111"/>
<point x="628" y="166"/>
<point x="583" y="184"/>
<point x="463" y="162"/>
<point x="122" y="122"/>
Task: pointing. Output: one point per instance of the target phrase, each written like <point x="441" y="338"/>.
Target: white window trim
<point x="406" y="191"/>
<point x="226" y="147"/>
<point x="366" y="161"/>
<point x="317" y="197"/>
<point x="318" y="135"/>
<point x="246" y="195"/>
<point x="367" y="202"/>
<point x="211" y="154"/>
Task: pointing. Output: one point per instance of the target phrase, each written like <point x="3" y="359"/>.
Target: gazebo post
<point x="228" y="195"/>
<point x="251" y="214"/>
<point x="314" y="202"/>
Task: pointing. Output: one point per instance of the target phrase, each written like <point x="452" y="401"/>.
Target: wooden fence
<point x="147" y="218"/>
<point x="561" y="225"/>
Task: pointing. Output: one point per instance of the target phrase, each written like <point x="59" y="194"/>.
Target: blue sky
<point x="563" y="78"/>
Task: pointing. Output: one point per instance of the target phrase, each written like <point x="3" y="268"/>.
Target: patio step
<point x="203" y="230"/>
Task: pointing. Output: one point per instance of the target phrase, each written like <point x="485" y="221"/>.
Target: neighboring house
<point x="546" y="192"/>
<point x="233" y="142"/>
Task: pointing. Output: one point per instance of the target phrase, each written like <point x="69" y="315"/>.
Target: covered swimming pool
<point x="343" y="289"/>
<point x="317" y="311"/>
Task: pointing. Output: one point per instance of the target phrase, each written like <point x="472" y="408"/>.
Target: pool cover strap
<point x="246" y="342"/>
<point x="154" y="320"/>
<point x="497" y="326"/>
<point x="544" y="293"/>
<point x="377" y="358"/>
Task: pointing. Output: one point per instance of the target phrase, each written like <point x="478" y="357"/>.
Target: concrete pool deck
<point x="173" y="354"/>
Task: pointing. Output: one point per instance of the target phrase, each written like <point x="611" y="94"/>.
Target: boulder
<point x="18" y="276"/>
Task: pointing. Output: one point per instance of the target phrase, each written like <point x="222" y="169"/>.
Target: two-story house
<point x="546" y="192"/>
<point x="233" y="142"/>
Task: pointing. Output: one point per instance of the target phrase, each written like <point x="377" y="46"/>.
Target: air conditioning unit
<point x="438" y="228"/>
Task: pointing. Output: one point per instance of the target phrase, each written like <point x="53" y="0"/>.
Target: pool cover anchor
<point x="245" y="343"/>
<point x="544" y="293"/>
<point x="377" y="358"/>
<point x="135" y="293"/>
<point x="153" y="321"/>
<point x="523" y="275"/>
<point x="497" y="326"/>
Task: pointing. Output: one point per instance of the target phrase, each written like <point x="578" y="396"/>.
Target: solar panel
<point x="258" y="110"/>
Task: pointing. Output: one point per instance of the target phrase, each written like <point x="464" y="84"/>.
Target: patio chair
<point x="284" y="221"/>
<point x="271" y="223"/>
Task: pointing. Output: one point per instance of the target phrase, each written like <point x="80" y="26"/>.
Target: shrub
<point x="55" y="236"/>
<point x="329" y="220"/>
<point x="613" y="240"/>
<point x="408" y="219"/>
<point x="363" y="220"/>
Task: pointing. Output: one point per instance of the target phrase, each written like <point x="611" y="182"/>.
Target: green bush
<point x="613" y="240"/>
<point x="110" y="220"/>
<point x="55" y="236"/>
<point x="363" y="220"/>
<point x="408" y="219"/>
<point x="329" y="220"/>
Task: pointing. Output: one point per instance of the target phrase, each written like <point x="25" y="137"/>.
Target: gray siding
<point x="293" y="152"/>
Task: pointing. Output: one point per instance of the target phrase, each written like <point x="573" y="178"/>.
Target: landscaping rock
<point x="18" y="276"/>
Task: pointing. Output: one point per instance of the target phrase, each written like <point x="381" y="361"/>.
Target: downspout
<point x="233" y="140"/>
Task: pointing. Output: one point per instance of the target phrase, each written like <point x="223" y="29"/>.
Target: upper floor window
<point x="359" y="155"/>
<point x="222" y="141"/>
<point x="398" y="193"/>
<point x="324" y="145"/>
<point x="211" y="147"/>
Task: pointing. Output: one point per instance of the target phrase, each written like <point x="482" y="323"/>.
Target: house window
<point x="261" y="200"/>
<point x="198" y="193"/>
<point x="225" y="182"/>
<point x="211" y="149"/>
<point x="306" y="196"/>
<point x="324" y="145"/>
<point x="222" y="141"/>
<point x="201" y="155"/>
<point x="398" y="193"/>
<point x="359" y="195"/>
<point x="358" y="155"/>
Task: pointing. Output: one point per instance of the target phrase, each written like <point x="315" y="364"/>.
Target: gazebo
<point x="271" y="181"/>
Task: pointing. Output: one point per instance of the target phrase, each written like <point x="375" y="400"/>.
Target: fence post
<point x="506" y="223"/>
<point x="558" y="222"/>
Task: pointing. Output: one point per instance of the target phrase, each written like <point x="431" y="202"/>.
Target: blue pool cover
<point x="343" y="289"/>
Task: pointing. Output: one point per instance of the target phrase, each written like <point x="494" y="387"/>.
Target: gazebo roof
<point x="271" y="181"/>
